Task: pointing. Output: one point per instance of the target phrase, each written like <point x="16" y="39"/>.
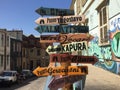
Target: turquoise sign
<point x="62" y="29"/>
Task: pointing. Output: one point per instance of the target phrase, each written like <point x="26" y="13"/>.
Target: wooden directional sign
<point x="71" y="70"/>
<point x="66" y="38"/>
<point x="60" y="20"/>
<point x="62" y="29"/>
<point x="59" y="82"/>
<point x="54" y="11"/>
<point x="65" y="48"/>
<point x="73" y="58"/>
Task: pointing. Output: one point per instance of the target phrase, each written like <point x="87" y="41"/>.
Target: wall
<point x="108" y="55"/>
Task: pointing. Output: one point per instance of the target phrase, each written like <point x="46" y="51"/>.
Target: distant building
<point x="33" y="53"/>
<point x="103" y="19"/>
<point x="4" y="50"/>
<point x="15" y="49"/>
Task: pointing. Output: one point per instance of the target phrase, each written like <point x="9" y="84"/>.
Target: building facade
<point x="4" y="50"/>
<point x="103" y="19"/>
<point x="15" y="49"/>
<point x="33" y="53"/>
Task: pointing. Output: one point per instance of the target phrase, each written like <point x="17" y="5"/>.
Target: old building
<point x="103" y="19"/>
<point x="15" y="49"/>
<point x="33" y="53"/>
<point x="4" y="50"/>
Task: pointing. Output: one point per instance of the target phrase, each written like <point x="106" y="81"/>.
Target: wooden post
<point x="67" y="86"/>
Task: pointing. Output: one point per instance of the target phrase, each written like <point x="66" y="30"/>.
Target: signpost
<point x="60" y="20"/>
<point x="59" y="82"/>
<point x="71" y="38"/>
<point x="73" y="58"/>
<point x="65" y="48"/>
<point x="63" y="29"/>
<point x="66" y="38"/>
<point x="71" y="70"/>
<point x="54" y="11"/>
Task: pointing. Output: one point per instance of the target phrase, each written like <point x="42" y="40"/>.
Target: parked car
<point x="8" y="77"/>
<point x="28" y="73"/>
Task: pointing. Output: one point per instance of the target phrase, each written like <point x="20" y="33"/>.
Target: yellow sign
<point x="71" y="70"/>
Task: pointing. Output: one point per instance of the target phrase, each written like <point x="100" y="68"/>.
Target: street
<point x="97" y="79"/>
<point x="33" y="83"/>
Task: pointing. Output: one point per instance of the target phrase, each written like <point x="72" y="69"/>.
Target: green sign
<point x="62" y="29"/>
<point x="54" y="11"/>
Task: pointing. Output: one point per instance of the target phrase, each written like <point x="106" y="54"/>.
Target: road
<point x="33" y="83"/>
<point x="97" y="79"/>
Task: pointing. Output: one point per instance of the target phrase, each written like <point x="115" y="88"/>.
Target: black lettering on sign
<point x="55" y="59"/>
<point x="42" y="72"/>
<point x="84" y="70"/>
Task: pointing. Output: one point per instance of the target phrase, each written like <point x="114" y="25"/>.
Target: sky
<point x="21" y="15"/>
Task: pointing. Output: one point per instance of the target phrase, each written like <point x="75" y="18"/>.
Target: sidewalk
<point x="100" y="79"/>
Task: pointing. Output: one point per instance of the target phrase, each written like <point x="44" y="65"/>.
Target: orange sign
<point x="71" y="70"/>
<point x="66" y="38"/>
<point x="60" y="20"/>
<point x="73" y="58"/>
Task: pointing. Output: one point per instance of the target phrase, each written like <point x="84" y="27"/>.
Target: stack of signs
<point x="72" y="38"/>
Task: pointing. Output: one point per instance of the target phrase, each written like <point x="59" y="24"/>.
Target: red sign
<point x="59" y="82"/>
<point x="73" y="58"/>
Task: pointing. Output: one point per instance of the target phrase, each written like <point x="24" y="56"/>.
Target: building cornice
<point x="72" y="5"/>
<point x="88" y="6"/>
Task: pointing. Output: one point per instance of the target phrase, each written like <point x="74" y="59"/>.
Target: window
<point x="2" y="40"/>
<point x="7" y="60"/>
<point x="31" y="50"/>
<point x="103" y="25"/>
<point x="1" y="60"/>
<point x="38" y="52"/>
<point x="103" y="22"/>
<point x="8" y="41"/>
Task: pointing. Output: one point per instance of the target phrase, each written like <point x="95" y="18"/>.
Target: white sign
<point x="60" y="20"/>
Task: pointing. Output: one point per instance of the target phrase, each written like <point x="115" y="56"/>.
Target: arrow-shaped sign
<point x="62" y="29"/>
<point x="54" y="11"/>
<point x="66" y="38"/>
<point x="60" y="20"/>
<point x="73" y="58"/>
<point x="59" y="82"/>
<point x="65" y="48"/>
<point x="71" y="70"/>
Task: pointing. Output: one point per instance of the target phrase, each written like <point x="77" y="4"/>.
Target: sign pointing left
<point x="54" y="11"/>
<point x="71" y="70"/>
<point x="60" y="20"/>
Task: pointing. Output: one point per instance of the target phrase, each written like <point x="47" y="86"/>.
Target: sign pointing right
<point x="60" y="20"/>
<point x="73" y="58"/>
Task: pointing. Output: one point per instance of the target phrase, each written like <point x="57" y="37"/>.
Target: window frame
<point x="103" y="26"/>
